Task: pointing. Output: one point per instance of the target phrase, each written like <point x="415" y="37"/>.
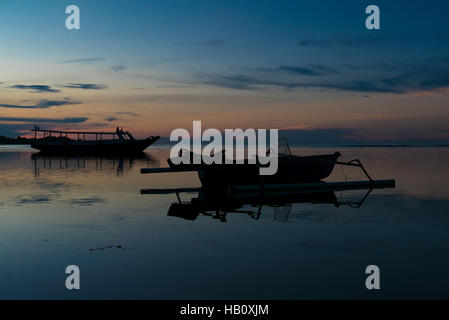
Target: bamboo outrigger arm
<point x="356" y="163"/>
<point x="352" y="163"/>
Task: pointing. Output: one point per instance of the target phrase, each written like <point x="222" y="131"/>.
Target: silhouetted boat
<point x="60" y="142"/>
<point x="294" y="172"/>
<point x="291" y="169"/>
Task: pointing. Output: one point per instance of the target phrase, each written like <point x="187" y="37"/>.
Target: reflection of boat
<point x="218" y="205"/>
<point x="63" y="142"/>
<point x="116" y="163"/>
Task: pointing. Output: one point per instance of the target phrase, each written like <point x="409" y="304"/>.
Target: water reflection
<point x="218" y="206"/>
<point x="118" y="164"/>
<point x="320" y="249"/>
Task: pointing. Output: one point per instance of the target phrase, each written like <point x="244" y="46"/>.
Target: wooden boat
<point x="291" y="169"/>
<point x="294" y="173"/>
<point x="64" y="142"/>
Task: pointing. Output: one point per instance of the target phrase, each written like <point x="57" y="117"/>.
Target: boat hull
<point x="291" y="169"/>
<point x="93" y="147"/>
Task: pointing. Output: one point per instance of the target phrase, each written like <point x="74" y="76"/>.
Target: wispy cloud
<point x="44" y="120"/>
<point x="129" y="113"/>
<point x="42" y="104"/>
<point x="111" y="119"/>
<point x="368" y="40"/>
<point x="86" y="86"/>
<point x="117" y="116"/>
<point x="118" y="68"/>
<point x="400" y="78"/>
<point x="306" y="70"/>
<point x="38" y="88"/>
<point x="215" y="42"/>
<point x="345" y="42"/>
<point x="85" y="60"/>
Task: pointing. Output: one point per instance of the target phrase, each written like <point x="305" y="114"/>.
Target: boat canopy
<point x="122" y="135"/>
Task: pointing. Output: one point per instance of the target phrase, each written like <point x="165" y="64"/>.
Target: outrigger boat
<point x="295" y="173"/>
<point x="75" y="142"/>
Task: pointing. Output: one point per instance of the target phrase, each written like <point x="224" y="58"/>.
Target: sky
<point x="309" y="68"/>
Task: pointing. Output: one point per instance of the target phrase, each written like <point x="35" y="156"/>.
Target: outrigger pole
<point x="258" y="189"/>
<point x="240" y="191"/>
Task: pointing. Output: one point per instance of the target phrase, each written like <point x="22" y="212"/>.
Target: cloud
<point x="310" y="70"/>
<point x="44" y="120"/>
<point x="42" y="104"/>
<point x="111" y="119"/>
<point x="317" y="136"/>
<point x="314" y="43"/>
<point x="85" y="60"/>
<point x="352" y="136"/>
<point x="14" y="126"/>
<point x="370" y="40"/>
<point x="237" y="81"/>
<point x="35" y="88"/>
<point x="129" y="113"/>
<point x="215" y="42"/>
<point x="345" y="42"/>
<point x="118" y="68"/>
<point x="86" y="86"/>
<point x="430" y="76"/>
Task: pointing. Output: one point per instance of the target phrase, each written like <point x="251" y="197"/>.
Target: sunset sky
<point x="309" y="67"/>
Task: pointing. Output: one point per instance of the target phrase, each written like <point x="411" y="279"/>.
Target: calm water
<point x="89" y="212"/>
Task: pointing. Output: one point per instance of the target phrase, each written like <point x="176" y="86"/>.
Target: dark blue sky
<point x="286" y="64"/>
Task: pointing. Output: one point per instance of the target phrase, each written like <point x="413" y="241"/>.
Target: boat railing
<point x="119" y="134"/>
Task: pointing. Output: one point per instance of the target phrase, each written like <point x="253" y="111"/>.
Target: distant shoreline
<point x="16" y="141"/>
<point x="166" y="146"/>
